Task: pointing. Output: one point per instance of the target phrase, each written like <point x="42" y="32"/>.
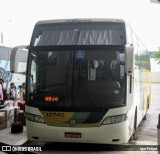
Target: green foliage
<point x="157" y="56"/>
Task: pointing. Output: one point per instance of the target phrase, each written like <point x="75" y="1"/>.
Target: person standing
<point x="19" y="91"/>
<point x="23" y="91"/>
<point x="11" y="92"/>
<point x="1" y="91"/>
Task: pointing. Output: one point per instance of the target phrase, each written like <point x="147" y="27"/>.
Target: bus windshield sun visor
<point x="80" y="37"/>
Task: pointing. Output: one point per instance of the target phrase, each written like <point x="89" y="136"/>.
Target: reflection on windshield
<point x="80" y="79"/>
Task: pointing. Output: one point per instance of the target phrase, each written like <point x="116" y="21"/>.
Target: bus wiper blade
<point x="57" y="84"/>
<point x="41" y="90"/>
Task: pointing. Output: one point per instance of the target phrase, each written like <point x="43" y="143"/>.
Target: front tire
<point x="134" y="137"/>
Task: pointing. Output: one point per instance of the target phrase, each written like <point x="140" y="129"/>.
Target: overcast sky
<point x="18" y="17"/>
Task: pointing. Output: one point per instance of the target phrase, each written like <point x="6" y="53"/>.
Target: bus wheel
<point x="134" y="137"/>
<point x="145" y="117"/>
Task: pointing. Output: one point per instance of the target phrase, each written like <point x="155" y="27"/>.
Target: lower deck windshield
<point x="79" y="79"/>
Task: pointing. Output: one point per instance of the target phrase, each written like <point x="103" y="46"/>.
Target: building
<point x="5" y="73"/>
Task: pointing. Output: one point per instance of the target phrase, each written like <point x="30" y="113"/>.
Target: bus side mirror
<point x="18" y="59"/>
<point x="129" y="59"/>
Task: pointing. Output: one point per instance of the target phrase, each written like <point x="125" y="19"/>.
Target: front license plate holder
<point x="72" y="135"/>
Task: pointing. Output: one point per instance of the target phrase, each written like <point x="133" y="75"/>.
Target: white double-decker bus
<point x="88" y="81"/>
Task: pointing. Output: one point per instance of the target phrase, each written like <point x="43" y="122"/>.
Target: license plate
<point x="72" y="135"/>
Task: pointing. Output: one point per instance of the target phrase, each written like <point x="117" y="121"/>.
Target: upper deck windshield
<point x="77" y="79"/>
<point x="79" y="34"/>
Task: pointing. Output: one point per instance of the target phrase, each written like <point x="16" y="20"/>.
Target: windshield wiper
<point x="41" y="91"/>
<point x="57" y="84"/>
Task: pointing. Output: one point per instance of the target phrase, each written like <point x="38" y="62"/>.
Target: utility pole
<point x="1" y="38"/>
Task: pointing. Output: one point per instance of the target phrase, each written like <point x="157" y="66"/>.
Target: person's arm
<point x="2" y="85"/>
<point x="21" y="92"/>
<point x="1" y="94"/>
<point x="8" y="94"/>
<point x="15" y="93"/>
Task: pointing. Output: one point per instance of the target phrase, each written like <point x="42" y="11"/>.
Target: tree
<point x="157" y="56"/>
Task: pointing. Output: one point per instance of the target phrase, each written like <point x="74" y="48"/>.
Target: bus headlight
<point x="35" y="118"/>
<point x="114" y="119"/>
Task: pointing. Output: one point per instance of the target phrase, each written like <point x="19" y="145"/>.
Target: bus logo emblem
<point x="72" y="123"/>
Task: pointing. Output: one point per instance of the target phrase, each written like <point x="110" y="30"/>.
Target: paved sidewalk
<point x="6" y="137"/>
<point x="147" y="131"/>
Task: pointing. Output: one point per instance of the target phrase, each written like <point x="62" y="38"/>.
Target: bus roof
<point x="87" y="20"/>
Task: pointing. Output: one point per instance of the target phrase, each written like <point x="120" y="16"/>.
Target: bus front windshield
<point x="77" y="79"/>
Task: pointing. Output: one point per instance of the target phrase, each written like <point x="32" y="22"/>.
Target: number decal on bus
<point x="50" y="114"/>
